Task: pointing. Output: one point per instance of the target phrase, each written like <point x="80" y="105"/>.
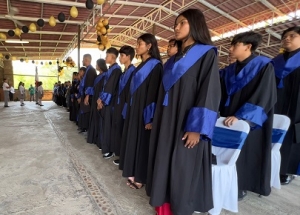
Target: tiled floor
<point x="46" y="167"/>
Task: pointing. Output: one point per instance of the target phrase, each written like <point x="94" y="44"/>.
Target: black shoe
<point x="6" y="106"/>
<point x="242" y="194"/>
<point x="82" y="130"/>
<point x="108" y="155"/>
<point x="116" y="162"/>
<point x="41" y="105"/>
<point x="286" y="179"/>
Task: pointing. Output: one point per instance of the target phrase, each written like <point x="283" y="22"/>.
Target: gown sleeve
<point x="152" y="93"/>
<point x="89" y="82"/>
<point x="110" y="89"/>
<point x="261" y="101"/>
<point x="203" y="116"/>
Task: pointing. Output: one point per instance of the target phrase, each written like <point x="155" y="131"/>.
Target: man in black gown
<point x="85" y="90"/>
<point x="287" y="71"/>
<point x="249" y="93"/>
<point x="106" y="100"/>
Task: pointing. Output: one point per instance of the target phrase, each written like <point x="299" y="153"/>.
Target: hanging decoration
<point x="32" y="61"/>
<point x="70" y="62"/>
<point x="40" y="23"/>
<point x="11" y="33"/>
<point x="102" y="30"/>
<point x="21" y="60"/>
<point x="42" y="63"/>
<point x="18" y="32"/>
<point x="25" y="29"/>
<point x="100" y="2"/>
<point x="1" y="55"/>
<point x="26" y="61"/>
<point x="73" y="12"/>
<point x="89" y="4"/>
<point x="37" y="63"/>
<point x="61" y="17"/>
<point x="2" y="36"/>
<point x="32" y="27"/>
<point x="7" y="57"/>
<point x="13" y="58"/>
<point x="52" y="21"/>
<point x="281" y="50"/>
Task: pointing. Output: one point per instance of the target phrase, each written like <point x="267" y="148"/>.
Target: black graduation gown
<point x="94" y="115"/>
<point x="72" y="113"/>
<point x="288" y="103"/>
<point x="254" y="162"/>
<point x="135" y="138"/>
<point x="117" y="118"/>
<point x="85" y="109"/>
<point x="177" y="175"/>
<point x="111" y="88"/>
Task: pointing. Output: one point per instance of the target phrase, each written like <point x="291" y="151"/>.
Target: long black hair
<point x="102" y="65"/>
<point x="198" y="27"/>
<point x="150" y="39"/>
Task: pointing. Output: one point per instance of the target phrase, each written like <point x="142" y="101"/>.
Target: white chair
<point x="226" y="146"/>
<point x="281" y="124"/>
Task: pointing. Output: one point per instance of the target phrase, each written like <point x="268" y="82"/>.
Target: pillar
<point x="6" y="72"/>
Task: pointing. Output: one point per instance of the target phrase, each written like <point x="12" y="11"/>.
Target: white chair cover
<point x="226" y="146"/>
<point x="281" y="124"/>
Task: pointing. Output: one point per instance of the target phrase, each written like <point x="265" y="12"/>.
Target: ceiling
<point x="129" y="19"/>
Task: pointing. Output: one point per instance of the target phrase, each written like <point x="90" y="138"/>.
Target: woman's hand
<point x="229" y="121"/>
<point x="192" y="139"/>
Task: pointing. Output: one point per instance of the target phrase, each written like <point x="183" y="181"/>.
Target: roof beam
<point x="214" y="8"/>
<point x="271" y="7"/>
<point x="34" y="47"/>
<point x="273" y="33"/>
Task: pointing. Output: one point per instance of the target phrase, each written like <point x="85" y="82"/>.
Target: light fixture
<point x="16" y="41"/>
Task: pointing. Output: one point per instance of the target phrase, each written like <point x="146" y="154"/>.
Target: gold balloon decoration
<point x="13" y="58"/>
<point x="1" y="55"/>
<point x="281" y="50"/>
<point x="26" y="60"/>
<point x="46" y="63"/>
<point x="32" y="27"/>
<point x="74" y="12"/>
<point x="18" y="32"/>
<point x="102" y="30"/>
<point x="52" y="21"/>
<point x="37" y="63"/>
<point x="2" y="36"/>
<point x="100" y="2"/>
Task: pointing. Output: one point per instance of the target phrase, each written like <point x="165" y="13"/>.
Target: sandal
<point x="129" y="182"/>
<point x="136" y="186"/>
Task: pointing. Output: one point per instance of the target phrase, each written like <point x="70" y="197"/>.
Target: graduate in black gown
<point x="86" y="89"/>
<point x="287" y="71"/>
<point x="126" y="56"/>
<point x="179" y="168"/>
<point x="72" y="113"/>
<point x="139" y="112"/>
<point x="249" y="93"/>
<point x="94" y="115"/>
<point x="172" y="47"/>
<point x="106" y="100"/>
<point x="77" y="95"/>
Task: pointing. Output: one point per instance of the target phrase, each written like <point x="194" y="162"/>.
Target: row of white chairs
<point x="227" y="143"/>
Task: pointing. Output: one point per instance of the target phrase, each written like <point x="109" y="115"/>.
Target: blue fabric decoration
<point x="139" y="76"/>
<point x="230" y="139"/>
<point x="124" y="111"/>
<point x="82" y="82"/>
<point x="278" y="135"/>
<point x="105" y="97"/>
<point x="284" y="68"/>
<point x="252" y="113"/>
<point x="173" y="71"/>
<point x="201" y="120"/>
<point x="109" y="72"/>
<point x="124" y="79"/>
<point x="235" y="83"/>
<point x="89" y="91"/>
<point x="149" y="113"/>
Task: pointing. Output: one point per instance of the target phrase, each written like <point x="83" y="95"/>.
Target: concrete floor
<point x="46" y="167"/>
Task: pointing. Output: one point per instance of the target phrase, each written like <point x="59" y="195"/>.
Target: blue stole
<point x="174" y="71"/>
<point x="109" y="72"/>
<point x="124" y="79"/>
<point x="81" y="86"/>
<point x="139" y="76"/>
<point x="99" y="78"/>
<point x="235" y="83"/>
<point x="284" y="68"/>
